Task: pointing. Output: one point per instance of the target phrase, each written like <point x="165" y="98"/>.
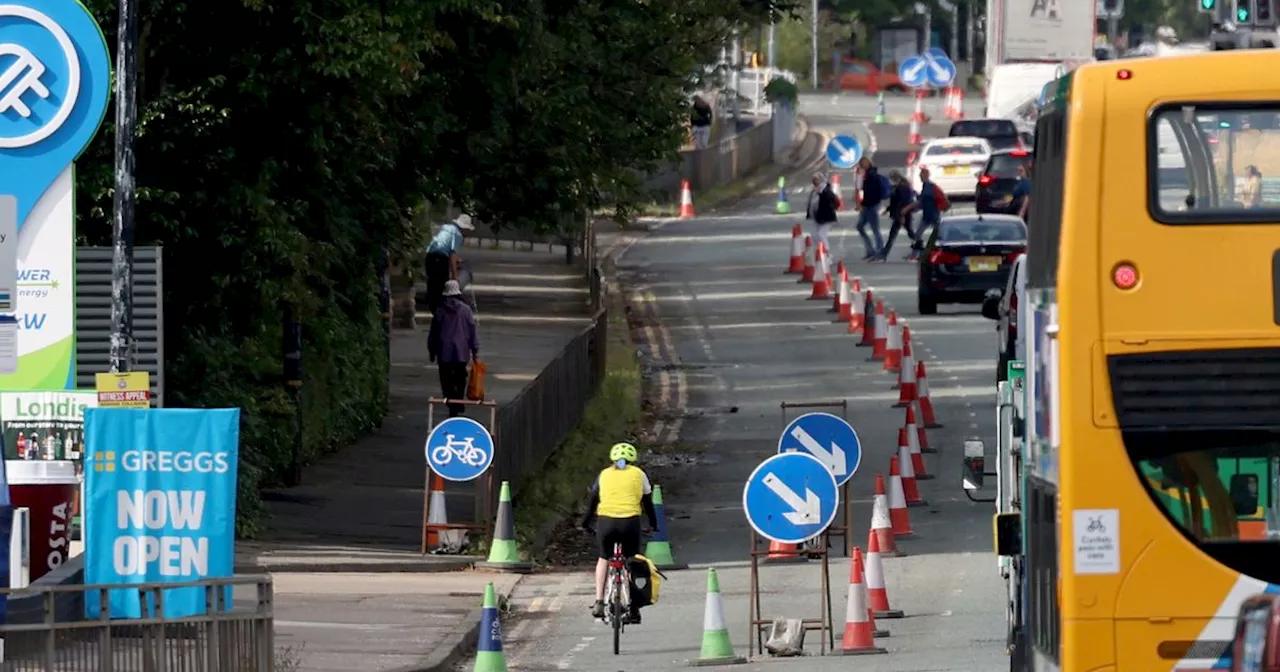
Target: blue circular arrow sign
<point x="844" y="151"/>
<point x="827" y="437"/>
<point x="791" y="498"/>
<point x="913" y="71"/>
<point x="459" y="449"/>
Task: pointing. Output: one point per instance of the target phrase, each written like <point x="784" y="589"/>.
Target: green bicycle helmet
<point x="622" y="452"/>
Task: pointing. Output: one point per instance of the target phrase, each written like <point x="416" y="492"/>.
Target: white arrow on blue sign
<point x="459" y="449"/>
<point x="827" y="437"/>
<point x="791" y="498"/>
<point x="913" y="71"/>
<point x="941" y="70"/>
<point x="843" y="151"/>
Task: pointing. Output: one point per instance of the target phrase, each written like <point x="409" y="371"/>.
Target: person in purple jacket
<point x="453" y="342"/>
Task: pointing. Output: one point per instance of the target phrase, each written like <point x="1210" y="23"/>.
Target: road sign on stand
<point x="459" y="449"/>
<point x="932" y="68"/>
<point x="827" y="437"/>
<point x="791" y="498"/>
<point x="844" y="151"/>
<point x="913" y="71"/>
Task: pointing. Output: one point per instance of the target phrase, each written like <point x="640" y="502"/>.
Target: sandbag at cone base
<point x="659" y="547"/>
<point x="717" y="649"/>
<point x="504" y="554"/>
<point x="489" y="656"/>
<point x="858" y="630"/>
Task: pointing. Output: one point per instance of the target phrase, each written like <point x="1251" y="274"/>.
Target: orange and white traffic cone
<point x="876" y="631"/>
<point x="872" y="313"/>
<point x="958" y="105"/>
<point x="835" y="189"/>
<point x="883" y="329"/>
<point x="913" y="449"/>
<point x="898" y="515"/>
<point x="919" y="437"/>
<point x="821" y="278"/>
<point x="781" y="554"/>
<point x="881" y="524"/>
<point x="913" y="133"/>
<point x="918" y="116"/>
<point x="922" y="398"/>
<point x="825" y="268"/>
<point x="906" y="376"/>
<point x="840" y="276"/>
<point x="907" y="471"/>
<point x="844" y="301"/>
<point x="806" y="274"/>
<point x="877" y="592"/>
<point x="686" y="200"/>
<point x="859" y="633"/>
<point x="893" y="346"/>
<point x="797" y="251"/>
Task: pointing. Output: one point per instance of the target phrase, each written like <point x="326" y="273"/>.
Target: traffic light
<point x="1263" y="14"/>
<point x="1208" y="6"/>
<point x="1244" y="13"/>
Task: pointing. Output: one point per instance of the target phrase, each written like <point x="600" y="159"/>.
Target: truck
<point x="1029" y="44"/>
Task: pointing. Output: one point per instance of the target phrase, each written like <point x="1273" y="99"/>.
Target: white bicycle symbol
<point x="466" y="452"/>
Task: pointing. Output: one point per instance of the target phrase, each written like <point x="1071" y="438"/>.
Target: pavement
<point x="726" y="337"/>
<point x="352" y="591"/>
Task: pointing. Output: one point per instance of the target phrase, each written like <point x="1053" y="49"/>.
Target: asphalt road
<point x="738" y="337"/>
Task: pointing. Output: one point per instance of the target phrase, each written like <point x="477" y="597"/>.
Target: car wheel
<point x="926" y="304"/>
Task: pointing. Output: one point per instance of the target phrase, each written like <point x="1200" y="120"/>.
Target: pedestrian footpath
<point x="352" y="590"/>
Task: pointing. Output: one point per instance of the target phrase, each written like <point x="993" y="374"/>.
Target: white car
<point x="954" y="164"/>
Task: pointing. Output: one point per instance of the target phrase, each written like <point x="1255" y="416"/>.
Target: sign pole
<point x="122" y="346"/>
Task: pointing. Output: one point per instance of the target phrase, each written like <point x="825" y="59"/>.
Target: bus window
<point x="1214" y="163"/>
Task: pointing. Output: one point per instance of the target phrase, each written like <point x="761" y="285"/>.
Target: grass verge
<point x="716" y="197"/>
<point x="552" y="493"/>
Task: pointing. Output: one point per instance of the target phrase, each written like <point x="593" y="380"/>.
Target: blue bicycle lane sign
<point x="459" y="449"/>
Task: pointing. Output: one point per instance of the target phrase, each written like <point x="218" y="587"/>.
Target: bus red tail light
<point x="943" y="258"/>
<point x="1125" y="276"/>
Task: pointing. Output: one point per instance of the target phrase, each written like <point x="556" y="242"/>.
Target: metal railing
<point x="55" y="637"/>
<point x="532" y="425"/>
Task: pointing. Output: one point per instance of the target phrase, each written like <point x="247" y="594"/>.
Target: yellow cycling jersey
<point x="620" y="491"/>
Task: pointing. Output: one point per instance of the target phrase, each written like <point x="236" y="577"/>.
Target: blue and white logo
<point x="55" y="71"/>
<point x="827" y="437"/>
<point x="459" y="449"/>
<point x="844" y="151"/>
<point x="933" y="68"/>
<point x="791" y="498"/>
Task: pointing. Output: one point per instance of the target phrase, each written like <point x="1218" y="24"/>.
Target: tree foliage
<point x="284" y="146"/>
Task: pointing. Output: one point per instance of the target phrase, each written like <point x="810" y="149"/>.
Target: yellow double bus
<point x="1153" y="361"/>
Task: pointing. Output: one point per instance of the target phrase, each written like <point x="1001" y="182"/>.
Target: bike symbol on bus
<point x="459" y="449"/>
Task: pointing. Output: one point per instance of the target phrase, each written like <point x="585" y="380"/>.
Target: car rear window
<point x="955" y="148"/>
<point x="960" y="230"/>
<point x="984" y="128"/>
<point x="1002" y="142"/>
<point x="1006" y="165"/>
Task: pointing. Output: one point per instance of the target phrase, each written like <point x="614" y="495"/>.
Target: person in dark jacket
<point x="700" y="122"/>
<point x="453" y="342"/>
<point x="822" y="209"/>
<point x="873" y="194"/>
<point x="899" y="199"/>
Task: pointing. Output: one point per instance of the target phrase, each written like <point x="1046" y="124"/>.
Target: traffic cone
<point x="824" y="267"/>
<point x="438" y="518"/>
<point x="489" y="657"/>
<point x="806" y="274"/>
<point x="883" y="328"/>
<point x="893" y="346"/>
<point x="898" y="515"/>
<point x="686" y="200"/>
<point x="844" y="306"/>
<point x="917" y="460"/>
<point x="906" y="376"/>
<point x="877" y="592"/>
<point x="659" y="547"/>
<point x="821" y="279"/>
<point x="922" y="398"/>
<point x="783" y="554"/>
<point x="840" y="276"/>
<point x="913" y="132"/>
<point x="873" y="314"/>
<point x="504" y="555"/>
<point x="859" y="633"/>
<point x="881" y="524"/>
<point x="918" y="116"/>
<point x="919" y="438"/>
<point x="876" y="632"/>
<point x="835" y="189"/>
<point x="857" y="315"/>
<point x="796" y="264"/>
<point x="881" y="117"/>
<point x="907" y="472"/>
<point x="783" y="207"/>
<point x="716" y="647"/>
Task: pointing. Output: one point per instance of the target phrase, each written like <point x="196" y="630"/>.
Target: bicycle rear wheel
<point x="618" y="613"/>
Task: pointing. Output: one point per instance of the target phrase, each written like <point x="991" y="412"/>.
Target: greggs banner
<point x="160" y="504"/>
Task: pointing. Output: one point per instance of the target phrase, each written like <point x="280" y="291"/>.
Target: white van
<point x="1013" y="89"/>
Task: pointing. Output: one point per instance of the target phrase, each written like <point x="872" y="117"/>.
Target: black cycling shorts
<point x="625" y="531"/>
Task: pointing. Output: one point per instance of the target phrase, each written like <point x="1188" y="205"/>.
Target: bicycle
<point x="465" y="451"/>
<point x="617" y="597"/>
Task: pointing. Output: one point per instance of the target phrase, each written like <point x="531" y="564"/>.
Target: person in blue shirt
<point x="931" y="203"/>
<point x="442" y="257"/>
<point x="1022" y="193"/>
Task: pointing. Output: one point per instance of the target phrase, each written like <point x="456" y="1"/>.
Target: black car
<point x="1001" y="134"/>
<point x="966" y="256"/>
<point x="994" y="192"/>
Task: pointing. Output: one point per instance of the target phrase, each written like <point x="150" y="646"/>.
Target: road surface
<point x="739" y="337"/>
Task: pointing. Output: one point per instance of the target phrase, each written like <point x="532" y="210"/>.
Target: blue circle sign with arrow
<point x="791" y="498"/>
<point x="844" y="151"/>
<point x="827" y="437"/>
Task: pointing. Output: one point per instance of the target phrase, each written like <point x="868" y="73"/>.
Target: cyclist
<point x="619" y="495"/>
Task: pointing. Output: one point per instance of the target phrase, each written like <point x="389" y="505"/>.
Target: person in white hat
<point x="452" y="341"/>
<point x="442" y="257"/>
